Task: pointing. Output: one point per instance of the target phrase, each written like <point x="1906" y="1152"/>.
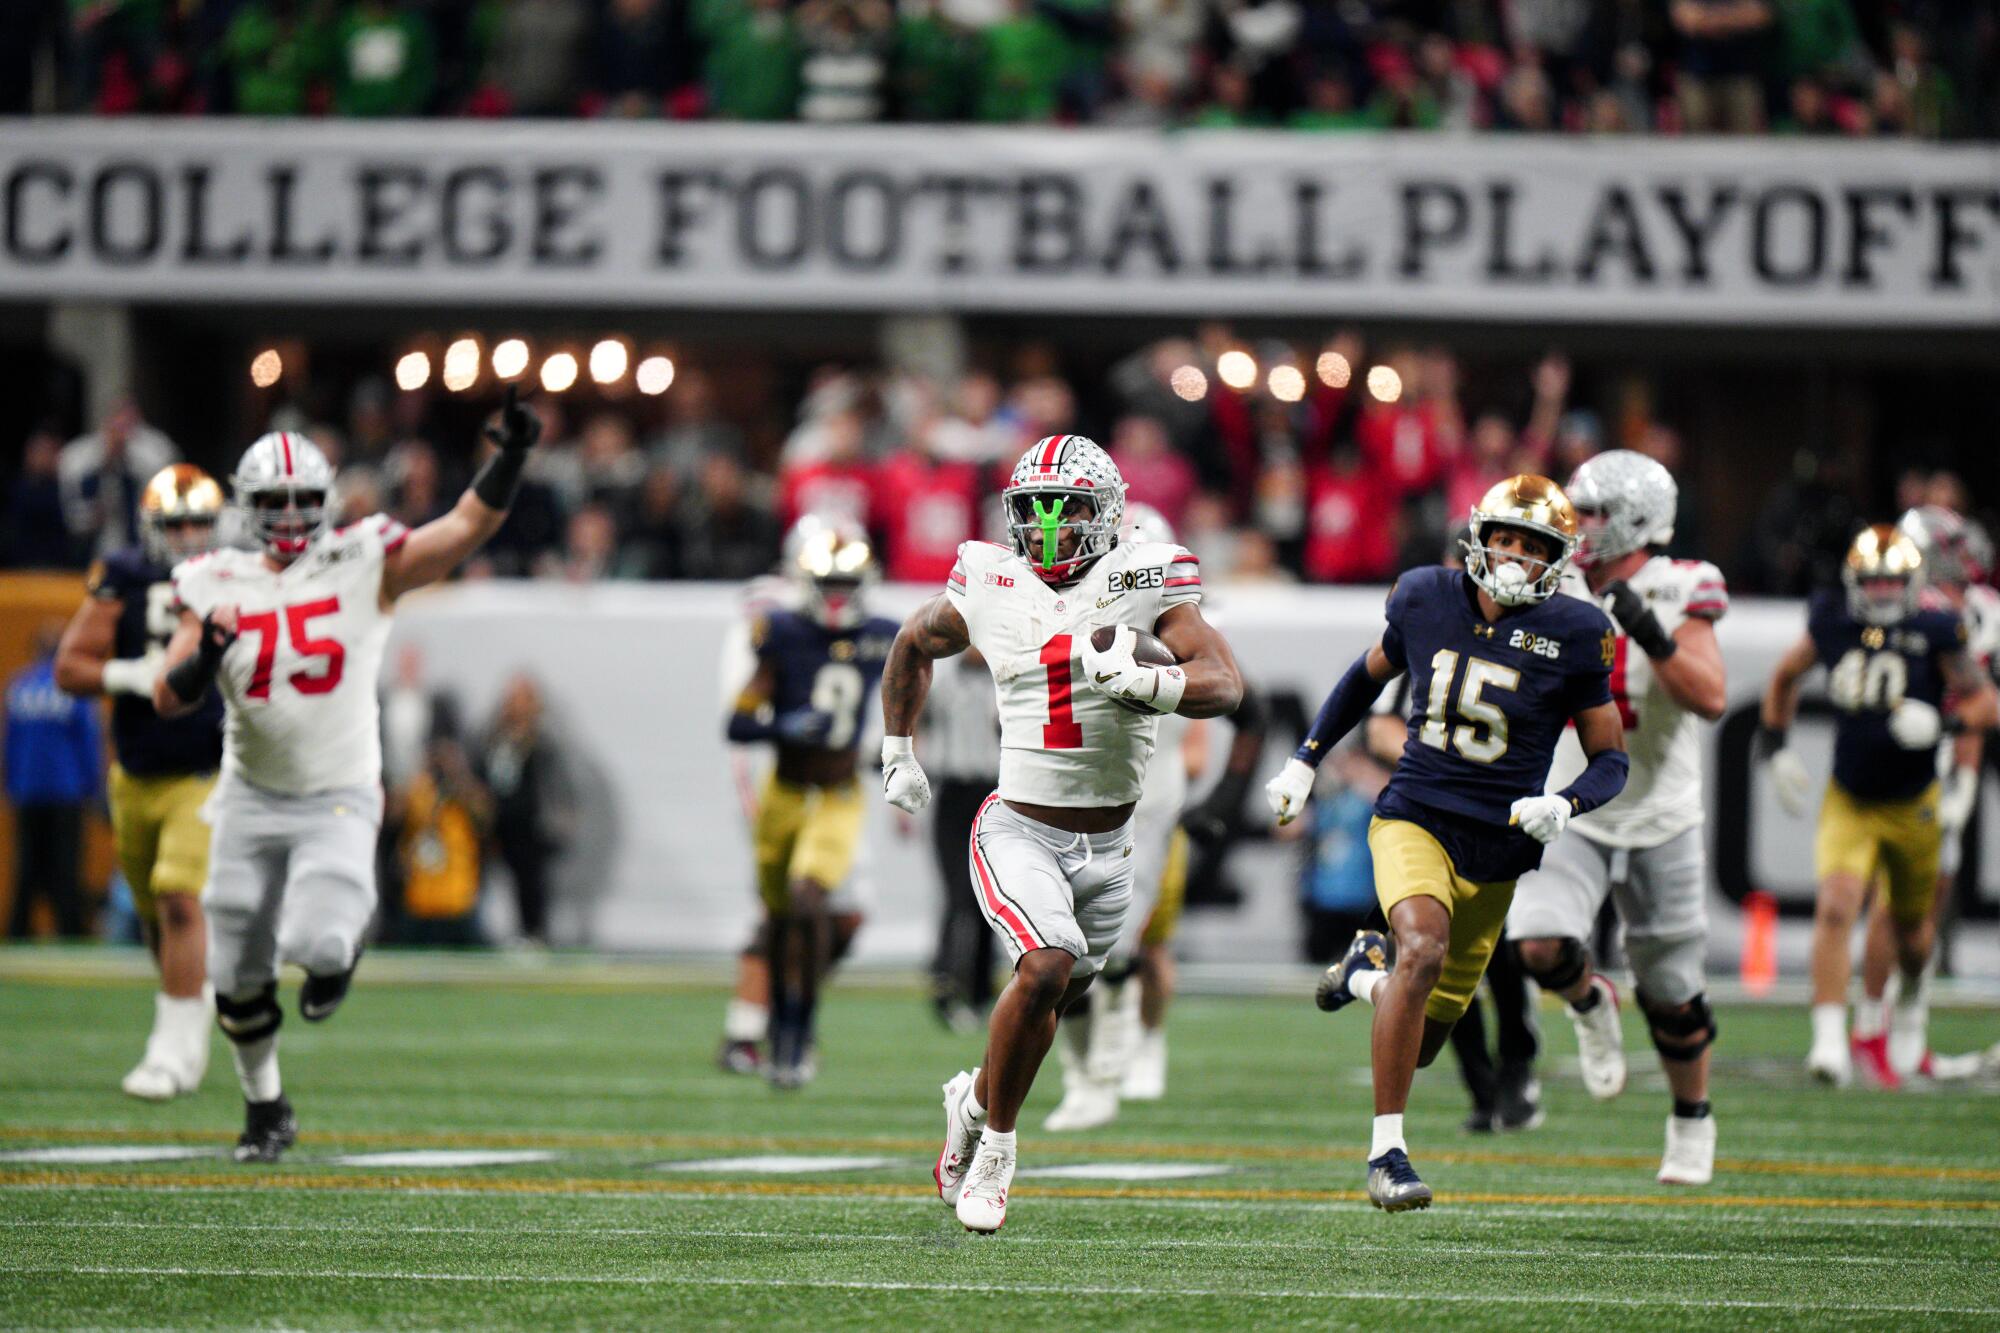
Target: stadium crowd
<point x="1928" y="68"/>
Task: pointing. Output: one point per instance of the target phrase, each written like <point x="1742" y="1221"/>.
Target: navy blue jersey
<point x="147" y="744"/>
<point x="1488" y="702"/>
<point x="832" y="671"/>
<point x="1871" y="669"/>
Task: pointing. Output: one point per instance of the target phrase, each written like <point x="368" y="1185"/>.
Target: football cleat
<point x="1393" y="1184"/>
<point x="1871" y="1057"/>
<point x="1829" y="1063"/>
<point x="961" y="1138"/>
<point x="1146" y="1074"/>
<point x="153" y="1080"/>
<point x="982" y="1204"/>
<point x="320" y="996"/>
<point x="1600" y="1042"/>
<point x="1690" y="1155"/>
<point x="739" y="1057"/>
<point x="268" y="1129"/>
<point x="1479" y="1121"/>
<point x="1087" y="1103"/>
<point x="1517" y="1099"/>
<point x="1369" y="952"/>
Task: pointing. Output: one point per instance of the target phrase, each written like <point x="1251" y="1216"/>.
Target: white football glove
<point x="134" y="675"/>
<point x="1542" y="818"/>
<point x="1116" y="674"/>
<point x="903" y="782"/>
<point x="1915" y="725"/>
<point x="1288" y="791"/>
<point x="1958" y="799"/>
<point x="1791" y="781"/>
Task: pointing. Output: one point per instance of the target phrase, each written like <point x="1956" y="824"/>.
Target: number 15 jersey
<point x="300" y="680"/>
<point x="1061" y="742"/>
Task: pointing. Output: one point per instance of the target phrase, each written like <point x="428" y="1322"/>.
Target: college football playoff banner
<point x="1211" y="222"/>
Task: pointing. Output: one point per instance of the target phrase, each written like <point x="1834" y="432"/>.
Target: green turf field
<point x="1855" y="1209"/>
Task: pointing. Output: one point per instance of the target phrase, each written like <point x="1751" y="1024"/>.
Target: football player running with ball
<point x="1645" y="849"/>
<point x="1499" y="664"/>
<point x="1058" y="615"/>
<point x="292" y="636"/>
<point x="1889" y="663"/>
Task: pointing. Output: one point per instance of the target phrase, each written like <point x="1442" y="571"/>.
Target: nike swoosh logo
<point x="1103" y="676"/>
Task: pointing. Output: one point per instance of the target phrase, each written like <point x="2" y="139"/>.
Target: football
<point x="1148" y="651"/>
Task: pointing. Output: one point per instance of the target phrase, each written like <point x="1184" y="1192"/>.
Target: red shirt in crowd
<point x="1164" y="480"/>
<point x="1403" y="446"/>
<point x="1349" y="534"/>
<point x="927" y="508"/>
<point x="834" y="489"/>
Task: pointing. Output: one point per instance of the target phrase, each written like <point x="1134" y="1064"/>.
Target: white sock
<point x="744" y="1021"/>
<point x="973" y="1110"/>
<point x="1363" y="985"/>
<point x="183" y="1024"/>
<point x="257" y="1068"/>
<point x="994" y="1140"/>
<point x="1388" y="1134"/>
<point x="1829" y="1025"/>
<point x="1871" y="1018"/>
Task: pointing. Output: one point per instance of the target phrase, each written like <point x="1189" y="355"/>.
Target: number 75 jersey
<point x="300" y="680"/>
<point x="1061" y="742"/>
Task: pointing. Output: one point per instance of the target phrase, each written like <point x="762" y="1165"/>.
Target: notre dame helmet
<point x="1537" y="505"/>
<point x="178" y="513"/>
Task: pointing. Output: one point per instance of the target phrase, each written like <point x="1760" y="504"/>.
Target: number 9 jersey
<point x="1870" y="670"/>
<point x="1061" y="742"/>
<point x="300" y="680"/>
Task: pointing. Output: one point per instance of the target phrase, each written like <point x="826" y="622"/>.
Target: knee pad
<point x="252" y="1017"/>
<point x="1572" y="961"/>
<point x="1679" y="1031"/>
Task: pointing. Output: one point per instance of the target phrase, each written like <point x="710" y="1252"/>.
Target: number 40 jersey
<point x="1870" y="670"/>
<point x="300" y="680"/>
<point x="1061" y="742"/>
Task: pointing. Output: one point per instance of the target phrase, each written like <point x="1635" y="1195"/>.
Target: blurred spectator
<point x="1228" y="104"/>
<point x="976" y="432"/>
<point x="55" y="758"/>
<point x="839" y="483"/>
<point x="590" y="546"/>
<point x="444" y="815"/>
<point x="1663" y="446"/>
<point x="1022" y="67"/>
<point x="1329" y="105"/>
<point x="694" y="427"/>
<point x="384" y="64"/>
<point x="36" y="533"/>
<point x="1808" y="110"/>
<point x="1347" y="540"/>
<point x="1489" y="462"/>
<point x="418" y="492"/>
<point x="927" y="506"/>
<point x="1256" y="561"/>
<point x="1800" y="534"/>
<point x="635" y="64"/>
<point x="730" y="533"/>
<point x="103" y="474"/>
<point x="1819" y="39"/>
<point x="533" y="57"/>
<point x="1336" y="871"/>
<point x="651" y="547"/>
<point x="1399" y="442"/>
<point x="844" y="66"/>
<point x="613" y="467"/>
<point x="1154" y="474"/>
<point x="1722" y="45"/>
<point x="275" y="58"/>
<point x="534" y="802"/>
<point x="1156" y="44"/>
<point x="1924" y="92"/>
<point x="533" y="527"/>
<point x="936" y="64"/>
<point x="752" y="69"/>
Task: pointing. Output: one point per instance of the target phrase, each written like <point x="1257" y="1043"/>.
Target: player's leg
<point x="1475" y="1066"/>
<point x="1555" y="910"/>
<point x="1908" y="1003"/>
<point x="1146" y="1074"/>
<point x="781" y="816"/>
<point x="822" y="860"/>
<point x="1517" y="1040"/>
<point x="1095" y="1038"/>
<point x="1662" y="903"/>
<point x="135" y="834"/>
<point x="173" y="839"/>
<point x="957" y="992"/>
<point x="1845" y="854"/>
<point x="247" y="865"/>
<point x="1911" y="856"/>
<point x="330" y="893"/>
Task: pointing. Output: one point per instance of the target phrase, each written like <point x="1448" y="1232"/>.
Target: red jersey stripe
<point x="991" y="893"/>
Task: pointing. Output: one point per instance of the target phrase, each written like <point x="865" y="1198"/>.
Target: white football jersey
<point x="1982" y="625"/>
<point x="1061" y="742"/>
<point x="1663" y="795"/>
<point x="1166" y="777"/>
<point x="300" y="680"/>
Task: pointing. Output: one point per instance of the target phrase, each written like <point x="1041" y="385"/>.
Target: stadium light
<point x="1334" y="372"/>
<point x="1189" y="383"/>
<point x="1236" y="369"/>
<point x="655" y="375"/>
<point x="1385" y="383"/>
<point x="559" y="372"/>
<point x="608" y="361"/>
<point x="461" y="365"/>
<point x="1286" y="383"/>
<point x="510" y="358"/>
<point x="413" y="371"/>
<point x="266" y="367"/>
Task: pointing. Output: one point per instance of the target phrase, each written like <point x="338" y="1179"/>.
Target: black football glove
<point x="519" y="427"/>
<point x="500" y="479"/>
<point x="1638" y="621"/>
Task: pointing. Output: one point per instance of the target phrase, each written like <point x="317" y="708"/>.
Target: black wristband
<point x="1639" y="623"/>
<point x="1769" y="741"/>
<point x="500" y="479"/>
<point x="190" y="677"/>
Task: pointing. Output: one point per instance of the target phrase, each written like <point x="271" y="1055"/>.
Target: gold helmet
<point x="833" y="563"/>
<point x="1884" y="575"/>
<point x="1534" y="504"/>
<point x="180" y="495"/>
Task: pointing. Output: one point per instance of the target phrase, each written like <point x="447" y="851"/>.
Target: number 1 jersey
<point x="300" y="680"/>
<point x="1061" y="742"/>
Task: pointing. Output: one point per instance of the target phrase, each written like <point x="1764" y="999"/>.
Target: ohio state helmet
<point x="1063" y="472"/>
<point x="283" y="485"/>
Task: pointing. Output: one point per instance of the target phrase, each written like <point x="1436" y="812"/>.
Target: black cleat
<point x="1393" y="1184"/>
<point x="1518" y="1099"/>
<point x="1369" y="952"/>
<point x="1480" y="1121"/>
<point x="320" y="996"/>
<point x="740" y="1057"/>
<point x="268" y="1129"/>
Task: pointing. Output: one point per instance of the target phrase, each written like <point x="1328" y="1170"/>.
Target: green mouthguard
<point x="1051" y="521"/>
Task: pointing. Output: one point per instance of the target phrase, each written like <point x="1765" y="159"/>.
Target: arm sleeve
<point x="1341" y="713"/>
<point x="1392" y="628"/>
<point x="1589" y="683"/>
<point x="1183" y="579"/>
<point x="955" y="583"/>
<point x="1708" y="593"/>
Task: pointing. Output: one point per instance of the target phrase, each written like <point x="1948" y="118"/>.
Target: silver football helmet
<point x="283" y="486"/>
<point x="1957" y="552"/>
<point x="832" y="563"/>
<point x="1143" y="523"/>
<point x="1624" y="502"/>
<point x="1064" y="473"/>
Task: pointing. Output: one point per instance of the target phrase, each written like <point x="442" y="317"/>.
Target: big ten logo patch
<point x="1132" y="580"/>
<point x="1000" y="580"/>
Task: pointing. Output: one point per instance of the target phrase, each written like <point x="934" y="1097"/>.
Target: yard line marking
<point x="830" y="1189"/>
<point x="925" y="1148"/>
<point x="997" y="1288"/>
<point x="435" y="1157"/>
<point x="1100" y="1242"/>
